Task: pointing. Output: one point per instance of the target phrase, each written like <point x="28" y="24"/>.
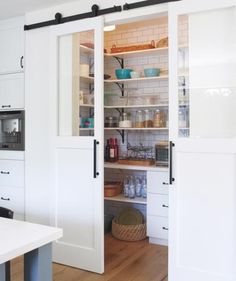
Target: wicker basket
<point x="112" y="189"/>
<point x="128" y="232"/>
<point x="116" y="49"/>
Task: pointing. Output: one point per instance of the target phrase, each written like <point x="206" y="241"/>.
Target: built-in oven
<point x="12" y="130"/>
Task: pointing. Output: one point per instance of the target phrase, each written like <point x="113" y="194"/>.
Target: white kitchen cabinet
<point x="157" y="229"/>
<point x="12" y="46"/>
<point x="157" y="207"/>
<point x="12" y="91"/>
<point x="12" y="173"/>
<point x="158" y="182"/>
<point x="13" y="198"/>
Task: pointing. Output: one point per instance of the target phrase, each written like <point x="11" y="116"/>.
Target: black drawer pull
<point x="5" y="173"/>
<point x="165" y="228"/>
<point x="6" y="106"/>
<point x="5" y="199"/>
<point x="165" y="183"/>
<point x="165" y="206"/>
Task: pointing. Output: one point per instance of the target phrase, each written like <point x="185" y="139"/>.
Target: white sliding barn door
<point x="77" y="143"/>
<point x="202" y="227"/>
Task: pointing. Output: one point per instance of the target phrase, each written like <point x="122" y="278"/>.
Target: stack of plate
<point x="130" y="216"/>
<point x="129" y="225"/>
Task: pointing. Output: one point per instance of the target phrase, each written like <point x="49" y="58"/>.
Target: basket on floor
<point x="128" y="232"/>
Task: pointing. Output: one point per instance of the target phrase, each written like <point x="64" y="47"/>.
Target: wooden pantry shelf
<point x="121" y="198"/>
<point x="86" y="50"/>
<point x="152" y="51"/>
<point x="87" y="79"/>
<point x="162" y="77"/>
<point x="135" y="167"/>
<point x="137" y="129"/>
<point x="135" y="106"/>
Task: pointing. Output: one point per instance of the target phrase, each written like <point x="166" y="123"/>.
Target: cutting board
<point x="148" y="162"/>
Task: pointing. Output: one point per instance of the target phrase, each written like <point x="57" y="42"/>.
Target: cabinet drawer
<point x="157" y="227"/>
<point x="12" y="198"/>
<point x="12" y="91"/>
<point x="12" y="173"/>
<point x="157" y="205"/>
<point x="155" y="182"/>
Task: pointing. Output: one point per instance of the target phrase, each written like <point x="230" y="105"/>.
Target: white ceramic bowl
<point x="135" y="74"/>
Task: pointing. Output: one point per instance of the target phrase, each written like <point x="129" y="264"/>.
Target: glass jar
<point x="131" y="188"/>
<point x="157" y="119"/>
<point x="125" y="120"/>
<point x="139" y="119"/>
<point x="148" y="122"/>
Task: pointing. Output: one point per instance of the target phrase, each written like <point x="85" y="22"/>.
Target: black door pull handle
<point x="95" y="173"/>
<point x="171" y="179"/>
<point x="165" y="228"/>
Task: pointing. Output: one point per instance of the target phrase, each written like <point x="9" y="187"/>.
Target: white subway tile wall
<point x="134" y="34"/>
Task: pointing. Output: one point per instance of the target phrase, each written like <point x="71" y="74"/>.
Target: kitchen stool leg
<point x="38" y="264"/>
<point x="2" y="271"/>
<point x="8" y="270"/>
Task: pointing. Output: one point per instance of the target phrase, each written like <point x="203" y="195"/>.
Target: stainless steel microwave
<point x="12" y="130"/>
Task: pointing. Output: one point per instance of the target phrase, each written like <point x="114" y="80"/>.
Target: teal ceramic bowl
<point x="152" y="72"/>
<point x="123" y="73"/>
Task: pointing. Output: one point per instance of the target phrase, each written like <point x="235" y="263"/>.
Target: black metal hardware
<point x="165" y="206"/>
<point x="21" y="62"/>
<point x="141" y="4"/>
<point x="171" y="179"/>
<point x="165" y="228"/>
<point x="120" y="61"/>
<point x="59" y="19"/>
<point x="5" y="173"/>
<point x="5" y="199"/>
<point x="95" y="173"/>
<point x="165" y="183"/>
<point x="95" y="10"/>
<point x="122" y="134"/>
<point x="6" y="106"/>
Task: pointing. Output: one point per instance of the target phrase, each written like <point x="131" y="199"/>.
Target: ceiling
<point x="13" y="8"/>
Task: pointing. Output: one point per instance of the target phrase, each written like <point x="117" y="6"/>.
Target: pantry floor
<point x="129" y="261"/>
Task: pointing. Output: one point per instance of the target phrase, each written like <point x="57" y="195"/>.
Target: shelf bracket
<point x="122" y="134"/>
<point x="121" y="87"/>
<point x="120" y="61"/>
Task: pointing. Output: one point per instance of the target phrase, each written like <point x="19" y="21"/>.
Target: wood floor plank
<point x="125" y="261"/>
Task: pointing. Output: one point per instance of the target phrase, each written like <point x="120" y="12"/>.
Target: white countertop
<point x="19" y="237"/>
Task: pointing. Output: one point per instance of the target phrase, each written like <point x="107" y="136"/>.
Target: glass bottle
<point x="131" y="188"/>
<point x="139" y="119"/>
<point x="144" y="187"/>
<point x="138" y="187"/>
<point x="126" y="186"/>
<point x="112" y="150"/>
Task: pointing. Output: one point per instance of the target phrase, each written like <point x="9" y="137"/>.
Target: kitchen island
<point x="34" y="241"/>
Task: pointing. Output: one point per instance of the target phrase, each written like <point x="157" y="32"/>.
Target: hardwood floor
<point x="125" y="261"/>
